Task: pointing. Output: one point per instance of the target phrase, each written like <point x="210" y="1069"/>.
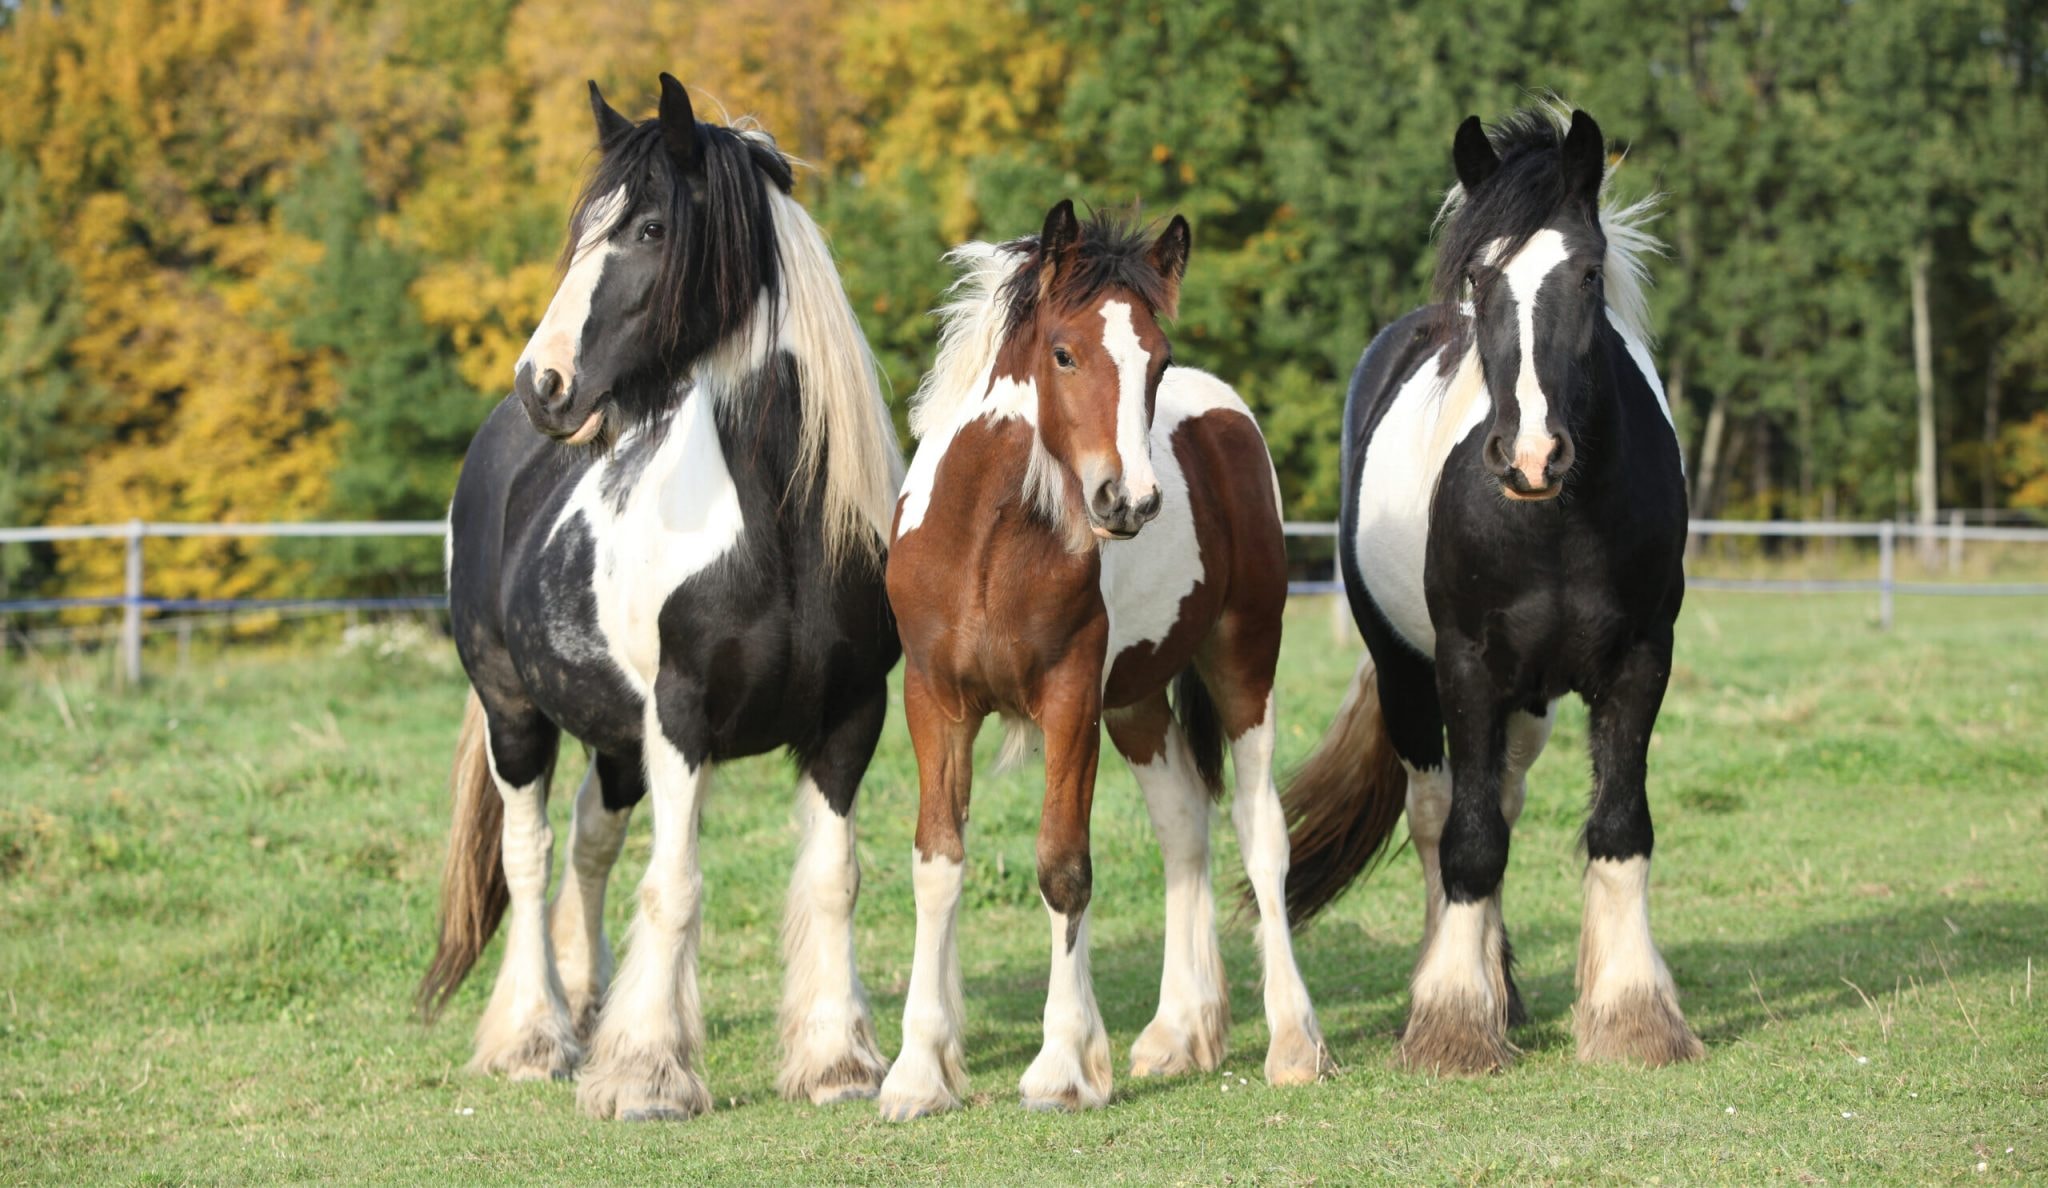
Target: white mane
<point x="970" y="334"/>
<point x="971" y="326"/>
<point x="843" y="406"/>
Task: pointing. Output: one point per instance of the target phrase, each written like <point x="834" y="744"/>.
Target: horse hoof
<point x="1050" y="1105"/>
<point x="910" y="1111"/>
<point x="1297" y="1057"/>
<point x="1455" y="1037"/>
<point x="841" y="1094"/>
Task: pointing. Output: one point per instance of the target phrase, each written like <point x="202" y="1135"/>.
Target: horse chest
<point x="1145" y="580"/>
<point x="674" y="519"/>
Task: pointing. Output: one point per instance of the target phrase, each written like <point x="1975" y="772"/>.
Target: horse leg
<point x="1295" y="1054"/>
<point x="931" y="1073"/>
<point x="1527" y="733"/>
<point x="1072" y="1070"/>
<point x="1457" y="1020"/>
<point x="644" y="1055"/>
<point x="1628" y="1006"/>
<point x="1193" y="1022"/>
<point x="828" y="1035"/>
<point x="597" y="831"/>
<point x="526" y="1031"/>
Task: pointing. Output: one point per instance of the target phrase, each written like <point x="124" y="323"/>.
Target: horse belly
<point x="1397" y="481"/>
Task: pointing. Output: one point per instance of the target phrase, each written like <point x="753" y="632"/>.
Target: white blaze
<point x="1120" y="339"/>
<point x="1524" y="275"/>
<point x="554" y="344"/>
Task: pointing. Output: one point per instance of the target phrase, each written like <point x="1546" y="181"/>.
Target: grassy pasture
<point x="215" y="897"/>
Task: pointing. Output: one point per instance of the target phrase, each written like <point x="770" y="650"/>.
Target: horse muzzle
<point x="1114" y="515"/>
<point x="556" y="408"/>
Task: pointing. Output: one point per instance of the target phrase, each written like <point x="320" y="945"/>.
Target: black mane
<point x="1114" y="251"/>
<point x="1514" y="204"/>
<point x="720" y="253"/>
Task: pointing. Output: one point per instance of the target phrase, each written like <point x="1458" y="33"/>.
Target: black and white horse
<point x="1513" y="519"/>
<point x="668" y="543"/>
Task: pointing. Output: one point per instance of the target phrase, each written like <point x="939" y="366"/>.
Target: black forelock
<point x="1114" y="251"/>
<point x="1521" y="198"/>
<point x="720" y="251"/>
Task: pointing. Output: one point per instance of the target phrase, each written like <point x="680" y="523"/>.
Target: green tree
<point x="405" y="414"/>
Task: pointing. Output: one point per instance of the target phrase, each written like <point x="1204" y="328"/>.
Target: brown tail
<point x="1343" y="803"/>
<point x="473" y="892"/>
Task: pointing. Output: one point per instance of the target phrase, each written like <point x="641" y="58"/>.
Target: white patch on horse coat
<point x="1000" y="399"/>
<point x="1395" y="486"/>
<point x="1145" y="578"/>
<point x="1616" y="933"/>
<point x="1262" y="842"/>
<point x="1120" y="339"/>
<point x="1639" y="353"/>
<point x="528" y="1002"/>
<point x="1194" y="1000"/>
<point x="825" y="1021"/>
<point x="1073" y="1066"/>
<point x="554" y="344"/>
<point x="1525" y="275"/>
<point x="576" y="917"/>
<point x="930" y="1073"/>
<point x="681" y="515"/>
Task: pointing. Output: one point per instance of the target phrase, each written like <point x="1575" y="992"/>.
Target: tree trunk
<point x="1923" y="376"/>
<point x="1987" y="469"/>
<point x="1710" y="456"/>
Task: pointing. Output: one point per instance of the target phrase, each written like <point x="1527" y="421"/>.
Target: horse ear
<point x="1059" y="234"/>
<point x="1585" y="157"/>
<point x="1061" y="229"/>
<point x="1169" y="255"/>
<point x="678" y="122"/>
<point x="610" y="124"/>
<point x="1472" y="153"/>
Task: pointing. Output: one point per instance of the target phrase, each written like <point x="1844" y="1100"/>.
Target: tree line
<point x="270" y="259"/>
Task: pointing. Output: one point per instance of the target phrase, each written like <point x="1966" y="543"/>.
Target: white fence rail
<point x="134" y="602"/>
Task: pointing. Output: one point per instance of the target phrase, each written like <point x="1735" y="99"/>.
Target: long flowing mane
<point x="749" y="274"/>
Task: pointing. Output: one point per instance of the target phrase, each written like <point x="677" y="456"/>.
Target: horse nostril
<point x="550" y="385"/>
<point x="1495" y="453"/>
<point x="1148" y="507"/>
<point x="1107" y="499"/>
<point x="1561" y="454"/>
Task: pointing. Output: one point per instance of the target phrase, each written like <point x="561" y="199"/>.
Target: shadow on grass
<point x="1730" y="988"/>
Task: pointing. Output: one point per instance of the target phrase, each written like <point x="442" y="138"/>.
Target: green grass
<point x="215" y="897"/>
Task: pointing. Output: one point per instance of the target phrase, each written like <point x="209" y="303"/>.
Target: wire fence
<point x="137" y="606"/>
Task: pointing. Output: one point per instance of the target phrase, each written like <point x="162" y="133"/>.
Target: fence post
<point x="1955" y="542"/>
<point x="1887" y="548"/>
<point x="131" y="609"/>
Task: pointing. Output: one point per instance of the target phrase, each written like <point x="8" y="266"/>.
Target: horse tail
<point x="1021" y="737"/>
<point x="473" y="891"/>
<point x="1202" y="726"/>
<point x="1342" y="804"/>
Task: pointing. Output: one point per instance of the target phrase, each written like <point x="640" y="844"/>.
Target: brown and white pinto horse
<point x="1053" y="429"/>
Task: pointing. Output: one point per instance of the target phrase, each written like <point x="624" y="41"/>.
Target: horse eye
<point x="1061" y="357"/>
<point x="652" y="232"/>
<point x="1592" y="277"/>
